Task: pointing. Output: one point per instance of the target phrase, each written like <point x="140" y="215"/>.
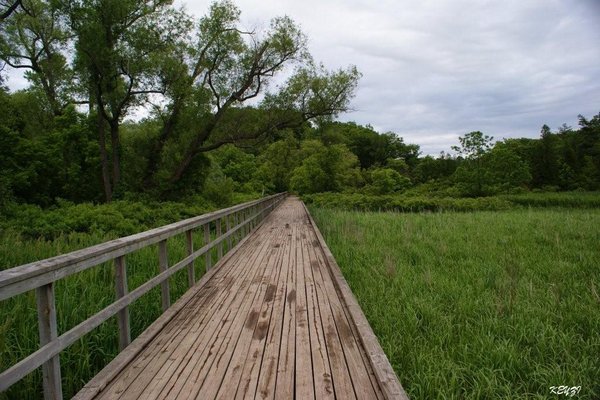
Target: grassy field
<point x="478" y="305"/>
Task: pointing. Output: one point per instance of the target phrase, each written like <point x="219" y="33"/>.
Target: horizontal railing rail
<point x="236" y="221"/>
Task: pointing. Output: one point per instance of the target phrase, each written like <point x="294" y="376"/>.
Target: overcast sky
<point x="436" y="69"/>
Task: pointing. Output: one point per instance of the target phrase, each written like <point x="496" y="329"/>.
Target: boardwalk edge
<point x="389" y="382"/>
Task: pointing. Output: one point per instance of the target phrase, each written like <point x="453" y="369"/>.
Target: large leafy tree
<point x="120" y="48"/>
<point x="222" y="91"/>
<point x="35" y="39"/>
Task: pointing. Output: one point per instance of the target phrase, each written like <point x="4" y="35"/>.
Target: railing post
<point x="46" y="308"/>
<point x="122" y="290"/>
<point x="228" y="227"/>
<point x="218" y="223"/>
<point x="189" y="244"/>
<point x="208" y="260"/>
<point x="235" y="223"/>
<point x="163" y="264"/>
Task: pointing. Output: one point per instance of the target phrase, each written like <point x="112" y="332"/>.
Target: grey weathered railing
<point x="40" y="276"/>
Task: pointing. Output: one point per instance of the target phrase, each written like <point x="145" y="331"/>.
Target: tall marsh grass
<point x="478" y="305"/>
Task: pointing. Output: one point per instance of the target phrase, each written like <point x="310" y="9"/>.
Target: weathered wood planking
<point x="41" y="276"/>
<point x="271" y="322"/>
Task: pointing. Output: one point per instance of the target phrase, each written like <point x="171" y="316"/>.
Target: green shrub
<point x="386" y="181"/>
<point x="418" y="203"/>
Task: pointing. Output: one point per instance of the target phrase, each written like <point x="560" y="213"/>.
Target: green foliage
<point x="506" y="171"/>
<point x="325" y="168"/>
<point x="277" y="163"/>
<point x="429" y="168"/>
<point x="418" y="203"/>
<point x="478" y="305"/>
<point x="371" y="147"/>
<point x="237" y="165"/>
<point x="470" y="176"/>
<point x="218" y="188"/>
<point x="119" y="218"/>
<point x="399" y="203"/>
<point x="385" y="181"/>
<point x="39" y="166"/>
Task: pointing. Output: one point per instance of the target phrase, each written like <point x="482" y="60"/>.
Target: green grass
<point x="478" y="305"/>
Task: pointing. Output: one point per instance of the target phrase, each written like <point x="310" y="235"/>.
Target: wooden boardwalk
<point x="274" y="320"/>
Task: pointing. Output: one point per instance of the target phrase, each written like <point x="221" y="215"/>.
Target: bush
<point x="416" y="203"/>
<point x="120" y="218"/>
<point x="386" y="181"/>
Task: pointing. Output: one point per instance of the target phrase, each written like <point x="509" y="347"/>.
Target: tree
<point x="325" y="168"/>
<point x="545" y="162"/>
<point x="8" y="8"/>
<point x="471" y="173"/>
<point x="506" y="170"/>
<point x="120" y="45"/>
<point x="35" y="39"/>
<point x="371" y="147"/>
<point x="386" y="181"/>
<point x="224" y="70"/>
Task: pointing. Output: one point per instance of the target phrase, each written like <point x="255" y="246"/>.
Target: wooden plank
<point x="322" y="376"/>
<point x="285" y="379"/>
<point x="218" y="224"/>
<point x="363" y="386"/>
<point x="189" y="246"/>
<point x="228" y="228"/>
<point x="163" y="266"/>
<point x="342" y="380"/>
<point x="123" y="315"/>
<point x="123" y="359"/>
<point x="216" y="335"/>
<point x="46" y="309"/>
<point x="387" y="379"/>
<point x="150" y="375"/>
<point x="238" y="368"/>
<point x="268" y="371"/>
<point x="29" y="276"/>
<point x="304" y="371"/>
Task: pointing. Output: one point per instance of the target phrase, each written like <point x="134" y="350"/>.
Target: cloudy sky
<point x="436" y="69"/>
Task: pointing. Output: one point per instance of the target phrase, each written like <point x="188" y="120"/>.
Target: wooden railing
<point x="41" y="276"/>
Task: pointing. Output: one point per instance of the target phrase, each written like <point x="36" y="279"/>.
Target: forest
<point x="224" y="111"/>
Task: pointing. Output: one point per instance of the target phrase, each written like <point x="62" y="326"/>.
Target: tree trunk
<point x="104" y="159"/>
<point x="116" y="154"/>
<point x="154" y="156"/>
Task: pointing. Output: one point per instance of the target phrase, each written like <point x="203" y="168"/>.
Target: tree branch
<point x="10" y="10"/>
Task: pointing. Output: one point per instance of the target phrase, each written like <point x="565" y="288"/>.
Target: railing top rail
<point x="50" y="269"/>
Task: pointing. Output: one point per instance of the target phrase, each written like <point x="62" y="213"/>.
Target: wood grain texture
<point x="271" y="322"/>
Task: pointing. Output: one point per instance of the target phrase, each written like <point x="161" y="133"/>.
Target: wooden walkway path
<point x="274" y="320"/>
